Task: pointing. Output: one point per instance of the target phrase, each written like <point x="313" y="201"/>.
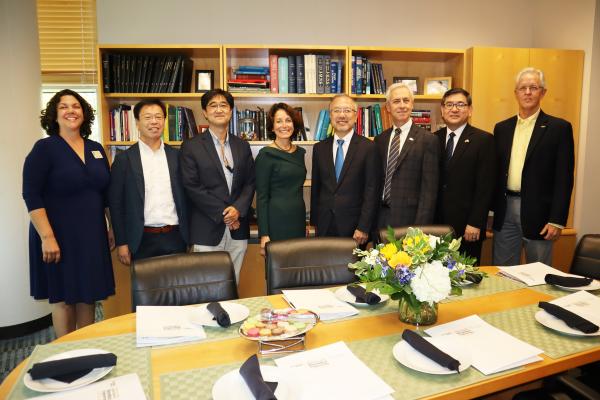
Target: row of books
<point x="249" y="78"/>
<point x="252" y="125"/>
<point x="367" y="77"/>
<point x="180" y="124"/>
<point x="307" y="73"/>
<point x="137" y="73"/>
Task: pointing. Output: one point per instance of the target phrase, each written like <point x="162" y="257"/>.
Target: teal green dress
<point x="279" y="200"/>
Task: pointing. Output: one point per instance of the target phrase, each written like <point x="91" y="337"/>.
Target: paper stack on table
<point x="332" y="372"/>
<point x="160" y="325"/>
<point x="493" y="350"/>
<point x="125" y="387"/>
<point x="320" y="301"/>
<point x="530" y="274"/>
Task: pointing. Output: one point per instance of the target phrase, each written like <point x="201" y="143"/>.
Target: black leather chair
<point x="182" y="279"/>
<point x="309" y="263"/>
<point x="437" y="230"/>
<point x="586" y="260"/>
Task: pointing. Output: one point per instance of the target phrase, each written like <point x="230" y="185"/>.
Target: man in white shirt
<point x="535" y="163"/>
<point x="345" y="178"/>
<point x="146" y="198"/>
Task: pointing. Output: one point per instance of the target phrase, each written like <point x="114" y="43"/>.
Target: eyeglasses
<point x="532" y="89"/>
<point x="459" y="106"/>
<point x="150" y="117"/>
<point x="347" y="111"/>
<point x="216" y="106"/>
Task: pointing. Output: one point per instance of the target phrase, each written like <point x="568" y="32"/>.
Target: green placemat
<point x="521" y="323"/>
<point x="129" y="360"/>
<point x="490" y="285"/>
<point x="407" y="383"/>
<point x="196" y="383"/>
<point x="552" y="290"/>
<point x="255" y="304"/>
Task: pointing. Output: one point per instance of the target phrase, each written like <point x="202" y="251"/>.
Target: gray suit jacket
<point x="126" y="196"/>
<point x="415" y="180"/>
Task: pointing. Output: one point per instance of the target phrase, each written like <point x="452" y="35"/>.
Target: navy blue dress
<point x="73" y="194"/>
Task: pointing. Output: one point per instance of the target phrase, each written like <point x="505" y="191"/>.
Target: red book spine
<point x="273" y="61"/>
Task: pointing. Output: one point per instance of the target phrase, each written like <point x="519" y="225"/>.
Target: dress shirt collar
<point x="404" y="128"/>
<point x="346" y="138"/>
<point x="217" y="140"/>
<point x="530" y="119"/>
<point x="457" y="132"/>
<point x="148" y="150"/>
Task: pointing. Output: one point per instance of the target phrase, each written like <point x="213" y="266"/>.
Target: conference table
<point x="504" y="303"/>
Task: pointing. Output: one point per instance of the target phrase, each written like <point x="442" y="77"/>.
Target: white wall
<point x="19" y="109"/>
<point x="435" y="23"/>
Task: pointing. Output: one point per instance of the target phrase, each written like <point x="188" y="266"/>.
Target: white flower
<point x="431" y="282"/>
<point x="433" y="241"/>
<point x="371" y="259"/>
<point x="454" y="244"/>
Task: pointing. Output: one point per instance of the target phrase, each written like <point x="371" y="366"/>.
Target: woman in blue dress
<point x="65" y="178"/>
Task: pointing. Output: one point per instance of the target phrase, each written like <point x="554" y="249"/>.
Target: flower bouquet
<point x="419" y="270"/>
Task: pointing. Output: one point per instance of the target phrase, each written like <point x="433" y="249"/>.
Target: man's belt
<point x="159" y="229"/>
<point x="512" y="193"/>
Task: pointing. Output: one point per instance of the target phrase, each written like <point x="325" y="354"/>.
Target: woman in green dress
<point x="280" y="175"/>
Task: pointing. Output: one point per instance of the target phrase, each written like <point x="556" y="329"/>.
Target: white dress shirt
<point x="159" y="205"/>
<point x="457" y="134"/>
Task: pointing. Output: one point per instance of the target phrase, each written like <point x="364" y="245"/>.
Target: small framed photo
<point x="205" y="80"/>
<point x="437" y="85"/>
<point x="411" y="81"/>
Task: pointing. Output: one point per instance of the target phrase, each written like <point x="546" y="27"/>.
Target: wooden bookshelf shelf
<point x="153" y="95"/>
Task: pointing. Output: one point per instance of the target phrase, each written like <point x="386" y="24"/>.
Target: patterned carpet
<point x="13" y="351"/>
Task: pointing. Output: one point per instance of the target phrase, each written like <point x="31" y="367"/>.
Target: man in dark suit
<point x="217" y="170"/>
<point x="345" y="177"/>
<point x="410" y="163"/>
<point x="146" y="199"/>
<point x="535" y="162"/>
<point x="466" y="172"/>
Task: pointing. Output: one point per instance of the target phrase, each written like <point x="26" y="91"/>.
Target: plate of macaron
<point x="278" y="324"/>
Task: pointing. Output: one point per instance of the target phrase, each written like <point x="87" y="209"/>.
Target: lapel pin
<point x="411" y="139"/>
<point x="467" y="141"/>
<point x="542" y="126"/>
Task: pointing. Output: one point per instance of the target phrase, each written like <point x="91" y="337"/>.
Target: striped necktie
<point x="392" y="162"/>
<point x="450" y="146"/>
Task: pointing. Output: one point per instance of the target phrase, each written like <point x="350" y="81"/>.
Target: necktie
<point x="392" y="162"/>
<point x="339" y="159"/>
<point x="450" y="146"/>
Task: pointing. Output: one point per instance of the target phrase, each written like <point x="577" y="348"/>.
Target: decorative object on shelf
<point x="205" y="80"/>
<point x="411" y="82"/>
<point x="438" y="85"/>
<point x="419" y="270"/>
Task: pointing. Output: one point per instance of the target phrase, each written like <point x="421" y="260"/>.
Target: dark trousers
<point x="160" y="244"/>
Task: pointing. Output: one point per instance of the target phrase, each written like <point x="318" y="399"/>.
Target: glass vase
<point x="425" y="314"/>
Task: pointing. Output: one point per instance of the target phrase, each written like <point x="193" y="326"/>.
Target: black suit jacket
<point x="415" y="180"/>
<point x="352" y="202"/>
<point x="547" y="177"/>
<point x="466" y="181"/>
<point x="204" y="182"/>
<point x="126" y="196"/>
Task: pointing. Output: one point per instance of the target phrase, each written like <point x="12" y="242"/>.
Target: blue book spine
<point x="368" y="78"/>
<point x="325" y="125"/>
<point x="334" y="77"/>
<point x="292" y="85"/>
<point x="319" y="124"/>
<point x="282" y="69"/>
<point x="300" y="74"/>
<point x="339" y="78"/>
<point x="353" y="80"/>
<point x="359" y="71"/>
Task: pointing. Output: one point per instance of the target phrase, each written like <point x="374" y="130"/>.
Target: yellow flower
<point x="407" y="242"/>
<point x="389" y="250"/>
<point x="400" y="258"/>
<point x="417" y="240"/>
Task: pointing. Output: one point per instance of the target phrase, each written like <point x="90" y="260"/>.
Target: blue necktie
<point x="450" y="146"/>
<point x="339" y="159"/>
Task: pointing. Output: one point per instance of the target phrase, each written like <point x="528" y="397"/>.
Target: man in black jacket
<point x="535" y="154"/>
<point x="467" y="172"/>
<point x="146" y="198"/>
<point x="217" y="170"/>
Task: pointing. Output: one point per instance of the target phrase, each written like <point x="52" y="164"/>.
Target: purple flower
<point x="404" y="274"/>
<point x="451" y="264"/>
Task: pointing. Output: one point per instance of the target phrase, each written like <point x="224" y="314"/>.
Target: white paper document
<point x="332" y="372"/>
<point x="320" y="301"/>
<point x="126" y="387"/>
<point x="493" y="350"/>
<point x="530" y="274"/>
<point x="161" y="325"/>
<point x="582" y="303"/>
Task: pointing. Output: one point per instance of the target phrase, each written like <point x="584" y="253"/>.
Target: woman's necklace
<point x="281" y="148"/>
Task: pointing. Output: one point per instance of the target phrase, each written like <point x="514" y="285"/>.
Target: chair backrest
<point x="437" y="230"/>
<point x="309" y="263"/>
<point x="182" y="279"/>
<point x="586" y="260"/>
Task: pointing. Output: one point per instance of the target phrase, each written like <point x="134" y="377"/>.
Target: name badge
<point x="96" y="154"/>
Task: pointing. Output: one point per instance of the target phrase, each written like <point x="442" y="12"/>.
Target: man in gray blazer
<point x="410" y="163"/>
<point x="146" y="199"/>
<point x="217" y="170"/>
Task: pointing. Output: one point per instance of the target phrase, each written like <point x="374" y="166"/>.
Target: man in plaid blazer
<point x="410" y="162"/>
